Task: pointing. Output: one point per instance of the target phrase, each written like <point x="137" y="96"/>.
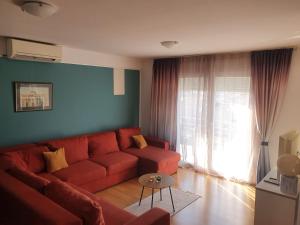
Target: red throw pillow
<point x="28" y="157"/>
<point x="9" y="160"/>
<point x="34" y="159"/>
<point x="76" y="148"/>
<point x="125" y="137"/>
<point x="77" y="203"/>
<point x="36" y="182"/>
<point x="102" y="143"/>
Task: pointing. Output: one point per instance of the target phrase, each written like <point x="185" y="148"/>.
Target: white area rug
<point x="181" y="200"/>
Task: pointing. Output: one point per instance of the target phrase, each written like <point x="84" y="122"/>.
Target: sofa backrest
<point x="16" y="147"/>
<point x="21" y="204"/>
<point x="102" y="143"/>
<point x="76" y="148"/>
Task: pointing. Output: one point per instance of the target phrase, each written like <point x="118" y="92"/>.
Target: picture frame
<point x="33" y="96"/>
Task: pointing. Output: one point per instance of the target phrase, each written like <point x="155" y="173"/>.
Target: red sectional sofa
<point x="96" y="161"/>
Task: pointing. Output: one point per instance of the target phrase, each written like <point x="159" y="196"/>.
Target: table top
<point x="275" y="189"/>
<point x="148" y="180"/>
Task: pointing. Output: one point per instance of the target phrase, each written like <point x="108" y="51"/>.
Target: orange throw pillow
<point x="55" y="160"/>
<point x="76" y="202"/>
<point x="140" y="141"/>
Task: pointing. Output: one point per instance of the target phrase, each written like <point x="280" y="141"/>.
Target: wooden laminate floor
<point x="222" y="202"/>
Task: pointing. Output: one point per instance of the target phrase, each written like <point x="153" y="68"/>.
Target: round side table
<point x="149" y="181"/>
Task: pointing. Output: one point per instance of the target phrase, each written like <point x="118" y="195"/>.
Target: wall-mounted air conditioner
<point x="27" y="50"/>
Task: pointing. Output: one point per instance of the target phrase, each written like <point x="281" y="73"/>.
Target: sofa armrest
<point x="158" y="142"/>
<point x="30" y="206"/>
<point x="154" y="216"/>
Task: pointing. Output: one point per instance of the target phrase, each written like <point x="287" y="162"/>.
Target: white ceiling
<point x="136" y="27"/>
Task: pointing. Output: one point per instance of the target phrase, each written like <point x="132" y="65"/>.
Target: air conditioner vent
<point x="27" y="50"/>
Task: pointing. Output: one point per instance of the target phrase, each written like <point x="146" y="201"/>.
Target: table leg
<point x="152" y="198"/>
<point x="141" y="196"/>
<point x="171" y="198"/>
<point x="160" y="194"/>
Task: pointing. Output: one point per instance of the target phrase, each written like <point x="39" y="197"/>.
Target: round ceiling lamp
<point x="39" y="8"/>
<point x="169" y="44"/>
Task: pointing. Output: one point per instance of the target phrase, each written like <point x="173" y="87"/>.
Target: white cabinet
<point x="272" y="207"/>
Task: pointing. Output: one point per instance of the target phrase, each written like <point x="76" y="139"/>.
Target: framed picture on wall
<point x="33" y="96"/>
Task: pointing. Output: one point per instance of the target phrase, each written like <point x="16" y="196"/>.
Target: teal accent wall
<point x="83" y="101"/>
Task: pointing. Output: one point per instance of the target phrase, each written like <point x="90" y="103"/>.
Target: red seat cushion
<point x="76" y="202"/>
<point x="48" y="176"/>
<point x="109" y="210"/>
<point x="36" y="182"/>
<point x="153" y="159"/>
<point x="30" y="157"/>
<point x="125" y="137"/>
<point x="116" y="162"/>
<point x="76" y="148"/>
<point x="81" y="172"/>
<point x="103" y="143"/>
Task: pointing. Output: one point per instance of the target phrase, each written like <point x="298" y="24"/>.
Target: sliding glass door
<point x="231" y="136"/>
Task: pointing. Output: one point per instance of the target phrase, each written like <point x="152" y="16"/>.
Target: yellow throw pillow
<point x="140" y="141"/>
<point x="55" y="160"/>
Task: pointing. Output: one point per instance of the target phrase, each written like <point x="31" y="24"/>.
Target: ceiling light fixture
<point x="169" y="44"/>
<point x="39" y="8"/>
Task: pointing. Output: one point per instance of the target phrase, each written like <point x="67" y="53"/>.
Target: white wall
<point x="289" y="117"/>
<point x="84" y="57"/>
<point x="146" y="80"/>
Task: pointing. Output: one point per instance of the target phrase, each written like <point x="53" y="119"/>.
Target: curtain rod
<point x="295" y="47"/>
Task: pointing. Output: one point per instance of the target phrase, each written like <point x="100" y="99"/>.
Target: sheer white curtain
<point x="214" y="119"/>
